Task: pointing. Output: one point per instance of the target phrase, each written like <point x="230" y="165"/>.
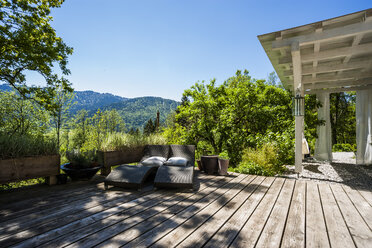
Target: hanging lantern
<point x="298" y="105"/>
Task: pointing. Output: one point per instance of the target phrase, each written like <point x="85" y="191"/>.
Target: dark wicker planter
<point x="79" y="174"/>
<point x="210" y="164"/>
<point x="223" y="165"/>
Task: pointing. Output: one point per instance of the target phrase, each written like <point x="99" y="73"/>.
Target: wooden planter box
<point x="30" y="167"/>
<point x="112" y="158"/>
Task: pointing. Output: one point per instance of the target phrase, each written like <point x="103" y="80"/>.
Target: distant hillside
<point x="89" y="100"/>
<point x="137" y="111"/>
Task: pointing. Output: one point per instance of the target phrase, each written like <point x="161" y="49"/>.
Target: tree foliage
<point x="29" y="43"/>
<point x="343" y="120"/>
<point x="238" y="114"/>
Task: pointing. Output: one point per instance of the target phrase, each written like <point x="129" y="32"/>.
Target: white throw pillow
<point x="177" y="161"/>
<point x="154" y="161"/>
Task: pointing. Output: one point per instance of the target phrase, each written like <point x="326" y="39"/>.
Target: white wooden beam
<point x="338" y="84"/>
<point x="347" y="75"/>
<point x="356" y="42"/>
<point x="298" y="90"/>
<point x="336" y="90"/>
<point x="316" y="50"/>
<point x="366" y="64"/>
<point x="331" y="54"/>
<point x="326" y="35"/>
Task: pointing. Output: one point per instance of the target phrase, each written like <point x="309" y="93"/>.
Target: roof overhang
<point x="335" y="55"/>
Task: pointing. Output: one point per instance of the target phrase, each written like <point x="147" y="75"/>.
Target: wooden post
<point x="51" y="180"/>
<point x="106" y="169"/>
<point x="298" y="89"/>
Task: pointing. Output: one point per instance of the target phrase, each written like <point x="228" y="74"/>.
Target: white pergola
<point x="333" y="55"/>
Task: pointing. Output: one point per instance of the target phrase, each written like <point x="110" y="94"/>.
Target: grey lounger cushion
<point x="156" y="150"/>
<point x="177" y="161"/>
<point x="174" y="177"/>
<point x="154" y="161"/>
<point x="184" y="151"/>
<point x="129" y="176"/>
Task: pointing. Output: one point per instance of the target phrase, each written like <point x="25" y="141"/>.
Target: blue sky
<point x="162" y="47"/>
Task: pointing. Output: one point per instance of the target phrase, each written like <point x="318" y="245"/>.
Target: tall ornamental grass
<point x="124" y="141"/>
<point x="16" y="146"/>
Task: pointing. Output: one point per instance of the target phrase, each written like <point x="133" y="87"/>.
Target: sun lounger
<point x="175" y="174"/>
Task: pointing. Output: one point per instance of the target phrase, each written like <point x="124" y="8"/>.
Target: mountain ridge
<point x="134" y="111"/>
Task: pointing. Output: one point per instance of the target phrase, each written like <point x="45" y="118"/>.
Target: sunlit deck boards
<point x="236" y="211"/>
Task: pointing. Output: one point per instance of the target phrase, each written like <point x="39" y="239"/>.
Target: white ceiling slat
<point x="341" y="83"/>
<point x="332" y="54"/>
<point x="337" y="90"/>
<point x="365" y="64"/>
<point x="326" y="35"/>
<point x="346" y="75"/>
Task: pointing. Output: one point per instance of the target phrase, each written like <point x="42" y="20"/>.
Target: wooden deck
<point x="235" y="211"/>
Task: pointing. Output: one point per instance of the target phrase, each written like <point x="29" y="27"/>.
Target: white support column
<point x="323" y="145"/>
<point x="298" y="89"/>
<point x="364" y="126"/>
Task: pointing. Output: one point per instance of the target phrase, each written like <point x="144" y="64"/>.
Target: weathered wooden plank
<point x="40" y="226"/>
<point x="274" y="228"/>
<point x="361" y="204"/>
<point x="231" y="228"/>
<point x="338" y="232"/>
<point x="201" y="235"/>
<point x="51" y="213"/>
<point x="101" y="220"/>
<point x="316" y="231"/>
<point x="181" y="217"/>
<point x="359" y="230"/>
<point x="367" y="195"/>
<point x="251" y="231"/>
<point x="104" y="219"/>
<point x="15" y="207"/>
<point x="98" y="237"/>
<point x="123" y="237"/>
<point x="85" y="218"/>
<point x="181" y="232"/>
<point x="294" y="233"/>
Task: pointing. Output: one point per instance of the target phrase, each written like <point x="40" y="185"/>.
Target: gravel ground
<point x="342" y="170"/>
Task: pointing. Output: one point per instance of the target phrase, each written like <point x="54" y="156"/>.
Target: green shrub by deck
<point x="260" y="161"/>
<point x="344" y="148"/>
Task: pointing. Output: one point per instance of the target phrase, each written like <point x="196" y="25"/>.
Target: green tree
<point x="238" y="114"/>
<point x="62" y="102"/>
<point x="20" y="117"/>
<point x="149" y="127"/>
<point x="343" y="122"/>
<point x="29" y="43"/>
<point x="272" y="79"/>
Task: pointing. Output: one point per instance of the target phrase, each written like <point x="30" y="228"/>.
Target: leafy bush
<point x="23" y="183"/>
<point x="82" y="159"/>
<point x="260" y="161"/>
<point x="252" y="168"/>
<point x="224" y="155"/>
<point x="344" y="148"/>
<point x="26" y="145"/>
<point x="283" y="142"/>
